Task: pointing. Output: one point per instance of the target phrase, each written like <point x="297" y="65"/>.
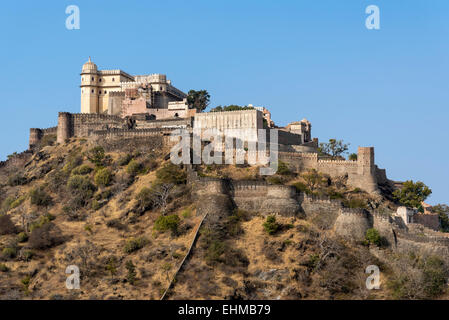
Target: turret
<point x="89" y="88"/>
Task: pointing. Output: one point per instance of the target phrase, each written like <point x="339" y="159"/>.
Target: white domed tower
<point x="89" y="88"/>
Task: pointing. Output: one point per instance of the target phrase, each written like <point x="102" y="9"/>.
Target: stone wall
<point x="352" y="224"/>
<point x="36" y="135"/>
<point x="83" y="124"/>
<point x="430" y="221"/>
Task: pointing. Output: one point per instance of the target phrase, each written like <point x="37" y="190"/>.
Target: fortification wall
<point x="430" y="221"/>
<point x="37" y="134"/>
<point x="352" y="224"/>
<point x="82" y="124"/>
<point x="166" y="123"/>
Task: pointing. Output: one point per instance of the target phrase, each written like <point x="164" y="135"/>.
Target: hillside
<point x="128" y="219"/>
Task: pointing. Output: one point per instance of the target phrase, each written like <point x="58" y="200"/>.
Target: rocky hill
<point x="139" y="227"/>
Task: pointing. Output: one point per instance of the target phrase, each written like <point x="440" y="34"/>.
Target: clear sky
<point x="386" y="88"/>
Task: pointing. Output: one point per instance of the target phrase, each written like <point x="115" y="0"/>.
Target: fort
<point x="118" y="109"/>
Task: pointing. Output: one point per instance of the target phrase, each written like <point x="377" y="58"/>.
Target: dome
<point x="89" y="67"/>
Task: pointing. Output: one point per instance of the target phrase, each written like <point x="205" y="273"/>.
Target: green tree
<point x="372" y="236"/>
<point x="103" y="177"/>
<point x="412" y="194"/>
<point x="96" y="155"/>
<point x="313" y="179"/>
<point x="198" y="99"/>
<point x="334" y="148"/>
<point x="353" y="157"/>
<point x="270" y="225"/>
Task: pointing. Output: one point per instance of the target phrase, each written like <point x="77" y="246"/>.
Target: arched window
<point x="93" y="78"/>
<point x="93" y="91"/>
<point x="113" y="79"/>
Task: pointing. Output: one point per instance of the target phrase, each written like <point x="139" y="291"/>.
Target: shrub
<point x="131" y="275"/>
<point x="215" y="251"/>
<point x="96" y="155"/>
<point x="234" y="222"/>
<point x="82" y="170"/>
<point x="283" y="169"/>
<point x="6" y="225"/>
<point x="81" y="187"/>
<point x="124" y="160"/>
<point x="6" y="204"/>
<point x="171" y="173"/>
<point x="39" y="197"/>
<point x="301" y="187"/>
<point x="134" y="167"/>
<point x="372" y="236"/>
<point x="186" y="213"/>
<point x="46" y="218"/>
<point x="353" y="157"/>
<point x="165" y="223"/>
<point x="115" y="223"/>
<point x="274" y="180"/>
<point x="17" y="180"/>
<point x="133" y="244"/>
<point x="3" y="267"/>
<point x="145" y="199"/>
<point x="44" y="237"/>
<point x="9" y="252"/>
<point x="270" y="225"/>
<point x="22" y="237"/>
<point x="103" y="177"/>
<point x="73" y="160"/>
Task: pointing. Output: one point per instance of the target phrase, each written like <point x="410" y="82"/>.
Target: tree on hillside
<point x="412" y="194"/>
<point x="334" y="148"/>
<point x="198" y="99"/>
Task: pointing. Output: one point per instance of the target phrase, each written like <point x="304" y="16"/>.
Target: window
<point x="93" y="78"/>
<point x="105" y="92"/>
<point x="92" y="90"/>
<point x="99" y="80"/>
<point x="113" y="79"/>
<point x="99" y="92"/>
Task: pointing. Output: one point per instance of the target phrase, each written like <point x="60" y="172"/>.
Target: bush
<point x="73" y="160"/>
<point x="17" y="202"/>
<point x="17" y="180"/>
<point x="145" y="200"/>
<point x="103" y="177"/>
<point x="165" y="223"/>
<point x="46" y="218"/>
<point x="44" y="237"/>
<point x="124" y="160"/>
<point x="133" y="245"/>
<point x="82" y="170"/>
<point x="301" y="187"/>
<point x="215" y="251"/>
<point x="131" y="275"/>
<point x="372" y="236"/>
<point x="82" y="187"/>
<point x="134" y="167"/>
<point x="283" y="169"/>
<point x="270" y="225"/>
<point x="171" y="173"/>
<point x="96" y="155"/>
<point x="39" y="197"/>
<point x="9" y="252"/>
<point x="3" y="267"/>
<point x="6" y="225"/>
<point x="22" y="237"/>
<point x="274" y="180"/>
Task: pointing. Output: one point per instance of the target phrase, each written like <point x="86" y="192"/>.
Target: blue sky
<point x="386" y="88"/>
